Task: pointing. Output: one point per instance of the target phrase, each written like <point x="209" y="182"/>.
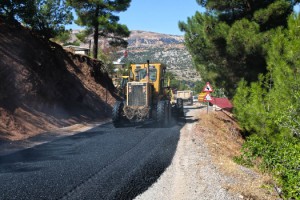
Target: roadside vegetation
<point x="252" y="48"/>
<point x="269" y="111"/>
<point x="48" y="18"/>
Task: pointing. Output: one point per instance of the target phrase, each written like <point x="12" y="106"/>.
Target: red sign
<point x="207" y="88"/>
<point x="207" y="97"/>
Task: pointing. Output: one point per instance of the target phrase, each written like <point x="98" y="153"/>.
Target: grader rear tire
<point x="169" y="111"/>
<point x="117" y="114"/>
<point x="162" y="114"/>
<point x="180" y="111"/>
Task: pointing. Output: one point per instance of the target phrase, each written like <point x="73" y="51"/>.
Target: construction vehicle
<point x="146" y="97"/>
<point x="185" y="95"/>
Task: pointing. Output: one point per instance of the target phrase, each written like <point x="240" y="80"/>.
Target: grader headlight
<point x="129" y="89"/>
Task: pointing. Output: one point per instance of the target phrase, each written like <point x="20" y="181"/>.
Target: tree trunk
<point x="96" y="33"/>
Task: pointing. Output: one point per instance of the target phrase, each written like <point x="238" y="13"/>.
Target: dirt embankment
<point x="43" y="87"/>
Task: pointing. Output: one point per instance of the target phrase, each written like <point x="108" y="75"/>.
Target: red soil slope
<point x="44" y="87"/>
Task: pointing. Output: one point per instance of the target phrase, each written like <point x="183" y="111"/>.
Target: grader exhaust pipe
<point x="148" y="65"/>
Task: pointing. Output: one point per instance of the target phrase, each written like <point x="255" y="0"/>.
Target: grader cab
<point x="146" y="97"/>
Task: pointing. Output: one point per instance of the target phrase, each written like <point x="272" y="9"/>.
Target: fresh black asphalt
<point x="102" y="163"/>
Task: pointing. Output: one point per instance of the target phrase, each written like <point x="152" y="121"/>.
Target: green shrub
<point x="280" y="157"/>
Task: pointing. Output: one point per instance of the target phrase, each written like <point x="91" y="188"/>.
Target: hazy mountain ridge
<point x="156" y="47"/>
<point x="143" y="38"/>
<point x="164" y="48"/>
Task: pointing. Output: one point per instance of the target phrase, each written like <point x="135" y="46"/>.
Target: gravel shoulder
<point x="196" y="171"/>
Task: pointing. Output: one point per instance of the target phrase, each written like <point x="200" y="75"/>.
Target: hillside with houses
<point x="156" y="47"/>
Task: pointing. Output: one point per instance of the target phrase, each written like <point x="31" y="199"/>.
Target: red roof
<point x="223" y="103"/>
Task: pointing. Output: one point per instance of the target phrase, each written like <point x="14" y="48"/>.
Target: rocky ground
<point x="202" y="167"/>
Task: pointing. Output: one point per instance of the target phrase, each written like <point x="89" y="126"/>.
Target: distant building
<point x="78" y="49"/>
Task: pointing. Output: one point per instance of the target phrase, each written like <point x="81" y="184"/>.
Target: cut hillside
<point x="43" y="87"/>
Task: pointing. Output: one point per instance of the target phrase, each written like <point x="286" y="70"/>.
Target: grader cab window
<point x="142" y="74"/>
<point x="153" y="73"/>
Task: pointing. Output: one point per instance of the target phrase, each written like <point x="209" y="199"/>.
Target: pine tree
<point x="284" y="67"/>
<point x="46" y="17"/>
<point x="273" y="100"/>
<point x="50" y="18"/>
<point x="100" y="15"/>
<point x="228" y="41"/>
<point x="13" y="11"/>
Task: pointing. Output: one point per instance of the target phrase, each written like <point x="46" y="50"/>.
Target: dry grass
<point x="222" y="136"/>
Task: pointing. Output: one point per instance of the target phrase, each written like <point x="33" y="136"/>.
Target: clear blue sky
<point x="160" y="16"/>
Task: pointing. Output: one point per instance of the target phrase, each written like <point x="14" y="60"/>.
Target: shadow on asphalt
<point x="45" y="151"/>
<point x="189" y="121"/>
<point x="153" y="124"/>
<point x="193" y="108"/>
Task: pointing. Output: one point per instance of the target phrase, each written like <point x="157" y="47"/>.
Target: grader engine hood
<point x="138" y="100"/>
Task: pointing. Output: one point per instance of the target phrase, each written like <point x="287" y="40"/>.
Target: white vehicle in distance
<point x="195" y="99"/>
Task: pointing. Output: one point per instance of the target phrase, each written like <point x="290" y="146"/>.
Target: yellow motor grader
<point x="146" y="97"/>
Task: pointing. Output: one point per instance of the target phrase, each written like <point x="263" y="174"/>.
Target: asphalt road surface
<point x="102" y="163"/>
